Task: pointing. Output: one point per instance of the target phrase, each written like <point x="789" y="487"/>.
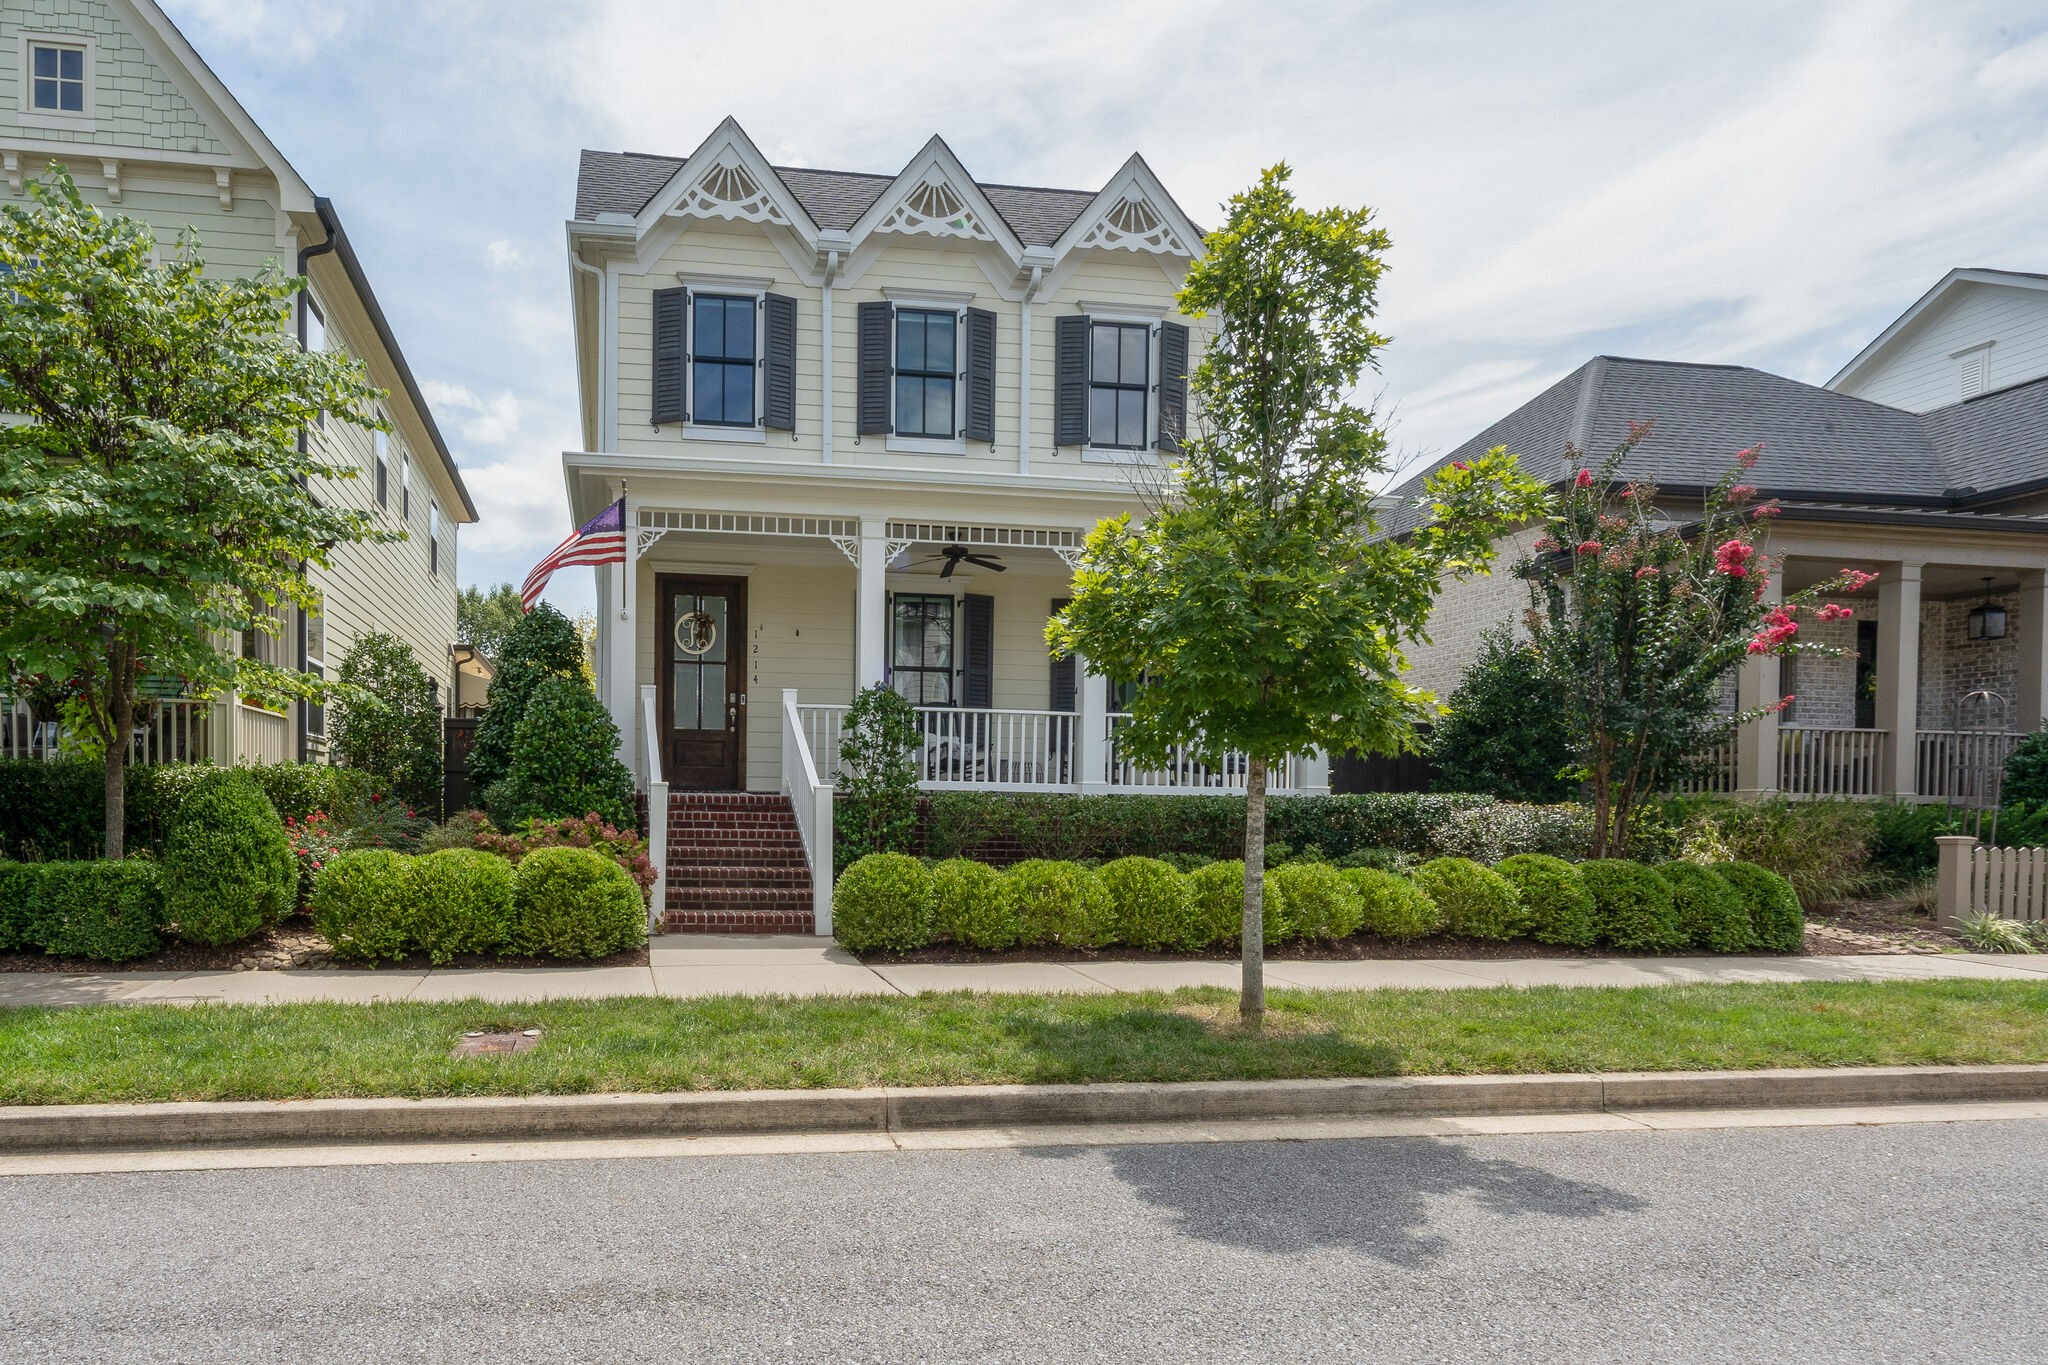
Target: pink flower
<point x="1741" y="492"/>
<point x="1855" y="580"/>
<point x="1785" y="701"/>
<point x="1629" y="492"/>
<point x="1776" y="632"/>
<point x="1589" y="547"/>
<point x="1732" y="557"/>
<point x="1544" y="543"/>
<point x="1460" y="466"/>
<point x="1584" y="479"/>
<point x="1834" y="611"/>
<point x="1769" y="509"/>
<point x="1638" y="430"/>
<point x="1747" y="458"/>
<point x="1646" y="571"/>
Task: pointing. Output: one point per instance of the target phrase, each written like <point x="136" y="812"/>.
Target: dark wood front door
<point x="701" y="662"/>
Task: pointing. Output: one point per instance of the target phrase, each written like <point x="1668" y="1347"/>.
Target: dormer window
<point x="57" y="84"/>
<point x="722" y="361"/>
<point x="1119" y="380"/>
<point x="926" y="354"/>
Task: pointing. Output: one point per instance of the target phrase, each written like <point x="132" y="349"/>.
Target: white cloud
<point x="503" y="257"/>
<point x="296" y="31"/>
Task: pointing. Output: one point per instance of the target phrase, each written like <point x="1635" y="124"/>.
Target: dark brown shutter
<point x="1063" y="675"/>
<point x="778" y="363"/>
<point x="978" y="655"/>
<point x="981" y="375"/>
<point x="1070" y="382"/>
<point x="671" y="315"/>
<point x="876" y="319"/>
<point x="1173" y="386"/>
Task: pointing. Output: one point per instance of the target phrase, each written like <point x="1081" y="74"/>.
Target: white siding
<point x="1922" y="370"/>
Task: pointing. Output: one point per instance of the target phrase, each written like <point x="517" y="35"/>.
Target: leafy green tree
<point x="544" y="644"/>
<point x="1258" y="603"/>
<point x="877" y="775"/>
<point x="159" y="498"/>
<point x="564" y="761"/>
<point x="1501" y="733"/>
<point x="386" y="722"/>
<point x="486" y="617"/>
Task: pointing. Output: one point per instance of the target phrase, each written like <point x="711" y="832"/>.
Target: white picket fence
<point x="2011" y="883"/>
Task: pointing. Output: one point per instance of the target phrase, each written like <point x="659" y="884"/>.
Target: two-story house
<point x="861" y="424"/>
<point x="112" y="91"/>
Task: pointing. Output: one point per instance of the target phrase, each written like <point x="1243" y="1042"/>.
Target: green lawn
<point x="126" y="1052"/>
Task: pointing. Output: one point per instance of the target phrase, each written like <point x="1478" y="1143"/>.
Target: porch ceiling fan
<point x="956" y="555"/>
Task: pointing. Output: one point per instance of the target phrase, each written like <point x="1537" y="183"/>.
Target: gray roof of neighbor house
<point x="1820" y="448"/>
<point x="624" y="182"/>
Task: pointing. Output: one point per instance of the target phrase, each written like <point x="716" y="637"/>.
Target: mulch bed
<point x="1881" y="925"/>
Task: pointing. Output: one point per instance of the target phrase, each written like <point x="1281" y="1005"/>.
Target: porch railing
<point x="1962" y="766"/>
<point x="170" y="730"/>
<point x="261" y="736"/>
<point x="1816" y="761"/>
<point x="1184" y="770"/>
<point x="657" y="800"/>
<point x="811" y="798"/>
<point x="1715" y="775"/>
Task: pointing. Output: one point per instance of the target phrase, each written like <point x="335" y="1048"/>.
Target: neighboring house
<point x="111" y="90"/>
<point x="1941" y="490"/>
<point x="862" y="424"/>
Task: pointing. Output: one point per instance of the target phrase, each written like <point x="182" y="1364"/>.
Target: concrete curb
<point x="134" y="1127"/>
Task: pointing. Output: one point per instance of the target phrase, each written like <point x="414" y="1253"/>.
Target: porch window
<point x="926" y="354"/>
<point x="921" y="652"/>
<point x="1119" y="364"/>
<point x="722" y="368"/>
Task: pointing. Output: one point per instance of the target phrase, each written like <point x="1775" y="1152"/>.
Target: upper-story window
<point x="405" y="487"/>
<point x="433" y="536"/>
<point x="1119" y="378"/>
<point x="722" y="361"/>
<point x="57" y="84"/>
<point x="927" y="352"/>
<point x="380" y="466"/>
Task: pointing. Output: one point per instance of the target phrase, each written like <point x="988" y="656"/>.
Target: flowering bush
<point x="314" y="842"/>
<point x="385" y="822"/>
<point x="623" y="846"/>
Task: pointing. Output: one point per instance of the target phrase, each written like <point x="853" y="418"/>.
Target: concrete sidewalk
<point x="685" y="965"/>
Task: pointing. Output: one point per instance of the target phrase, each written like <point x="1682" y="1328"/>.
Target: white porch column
<point x="1314" y="774"/>
<point x="1092" y="746"/>
<point x="621" y="692"/>
<point x="2032" y="707"/>
<point x="1898" y="675"/>
<point x="1757" y="683"/>
<point x="871" y="604"/>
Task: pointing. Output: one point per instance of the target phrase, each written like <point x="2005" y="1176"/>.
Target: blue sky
<point x="1764" y="184"/>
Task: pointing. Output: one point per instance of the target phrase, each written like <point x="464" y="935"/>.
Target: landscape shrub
<point x="386" y="721"/>
<point x="542" y="645"/>
<point x="1776" y="922"/>
<point x="458" y="900"/>
<point x="564" y="761"/>
<point x="883" y="902"/>
<point x="1711" y="914"/>
<point x="1385" y="859"/>
<point x="1391" y="905"/>
<point x="968" y="905"/>
<point x="1216" y="894"/>
<point x="1555" y="903"/>
<point x="2026" y="769"/>
<point x="1475" y="901"/>
<point x="1903" y="835"/>
<point x="1338" y="825"/>
<point x="877" y="775"/>
<point x="1633" y="905"/>
<point x="1320" y="902"/>
<point x="1056" y="902"/>
<point x="464" y="829"/>
<point x="1823" y="848"/>
<point x="54" y="809"/>
<point x="1487" y="834"/>
<point x="623" y="846"/>
<point x="228" y="870"/>
<point x="20" y="891"/>
<point x="574" y="902"/>
<point x="1150" y="905"/>
<point x="105" y="911"/>
<point x="314" y="842"/>
<point x="1185" y="862"/>
<point x="361" y="907"/>
<point x="1500" y="733"/>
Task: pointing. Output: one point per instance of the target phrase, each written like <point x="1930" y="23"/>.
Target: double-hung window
<point x="1119" y="376"/>
<point x="380" y="466"/>
<point x="405" y="487"/>
<point x="722" y="361"/>
<point x="57" y="78"/>
<point x="315" y="650"/>
<point x="927" y="351"/>
<point x="921" y="652"/>
<point x="434" y="536"/>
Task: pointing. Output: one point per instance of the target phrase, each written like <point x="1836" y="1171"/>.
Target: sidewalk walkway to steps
<point x="704" y="964"/>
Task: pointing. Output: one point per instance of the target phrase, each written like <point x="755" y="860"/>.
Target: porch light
<point x="1986" y="621"/>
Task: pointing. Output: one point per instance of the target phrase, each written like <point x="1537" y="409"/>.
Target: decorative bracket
<point x="848" y="546"/>
<point x="224" y="181"/>
<point x="646" y="538"/>
<point x="111" y="169"/>
<point x="892" y="548"/>
<point x="1070" y="555"/>
<point x="10" y="162"/>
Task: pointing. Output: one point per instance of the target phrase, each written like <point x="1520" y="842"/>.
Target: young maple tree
<point x="1638" y="617"/>
<point x="157" y="500"/>
<point x="1257" y="606"/>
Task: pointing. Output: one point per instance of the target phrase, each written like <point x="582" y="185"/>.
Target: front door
<point x="701" y="668"/>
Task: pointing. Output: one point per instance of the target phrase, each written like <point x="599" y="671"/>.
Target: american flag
<point x="601" y="540"/>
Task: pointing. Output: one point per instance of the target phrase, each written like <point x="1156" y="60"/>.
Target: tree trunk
<point x="1251" y="1003"/>
<point x="121" y="718"/>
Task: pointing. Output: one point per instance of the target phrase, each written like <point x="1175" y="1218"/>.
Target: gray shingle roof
<point x="624" y="182"/>
<point x="1996" y="440"/>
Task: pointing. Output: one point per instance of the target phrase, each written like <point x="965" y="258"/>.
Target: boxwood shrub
<point x="106" y="911"/>
<point x="1555" y="902"/>
<point x="968" y="905"/>
<point x="458" y="900"/>
<point x="1391" y="905"/>
<point x="1711" y="913"/>
<point x="1062" y="903"/>
<point x="227" y="869"/>
<point x="1216" y="895"/>
<point x="1320" y="902"/>
<point x="1149" y="905"/>
<point x="1475" y="901"/>
<point x="361" y="905"/>
<point x="20" y="885"/>
<point x="1634" y="906"/>
<point x="574" y="902"/>
<point x="883" y="901"/>
<point x="1776" y="923"/>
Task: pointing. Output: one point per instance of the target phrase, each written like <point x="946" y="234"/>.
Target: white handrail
<point x="811" y="800"/>
<point x="657" y="801"/>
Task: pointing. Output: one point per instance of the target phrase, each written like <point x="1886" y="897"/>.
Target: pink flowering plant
<point x="623" y="846"/>
<point x="314" y="842"/>
<point x="1640" y="614"/>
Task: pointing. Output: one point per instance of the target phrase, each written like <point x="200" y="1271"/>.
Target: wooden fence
<point x="2011" y="883"/>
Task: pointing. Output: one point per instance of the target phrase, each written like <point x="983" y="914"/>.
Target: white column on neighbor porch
<point x="621" y="643"/>
<point x="1092" y="716"/>
<point x="2032" y="708"/>
<point x="1757" y="683"/>
<point x="1898" y="674"/>
<point x="871" y="604"/>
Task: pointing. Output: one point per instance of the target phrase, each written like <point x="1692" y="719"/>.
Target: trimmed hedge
<point x="1392" y="906"/>
<point x="1712" y="914"/>
<point x="1633" y="905"/>
<point x="360" y="905"/>
<point x="228" y="870"/>
<point x="1217" y="893"/>
<point x="1320" y="902"/>
<point x="106" y="911"/>
<point x="968" y="905"/>
<point x="574" y="902"/>
<point x="374" y="905"/>
<point x="459" y="900"/>
<point x="20" y="886"/>
<point x="1558" y="907"/>
<point x="1776" y="923"/>
<point x="1062" y="903"/>
<point x="883" y="901"/>
<point x="1149" y="905"/>
<point x="1476" y="901"/>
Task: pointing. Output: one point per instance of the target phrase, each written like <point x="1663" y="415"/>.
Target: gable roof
<point x="1904" y="323"/>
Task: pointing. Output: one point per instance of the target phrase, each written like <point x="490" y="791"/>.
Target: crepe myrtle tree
<point x="158" y="499"/>
<point x="1257" y="602"/>
<point x="1639" y="616"/>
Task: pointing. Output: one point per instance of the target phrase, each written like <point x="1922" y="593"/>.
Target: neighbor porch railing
<point x="1962" y="766"/>
<point x="170" y="730"/>
<point x="1817" y="761"/>
<point x="1715" y="775"/>
<point x="810" y="796"/>
<point x="657" y="800"/>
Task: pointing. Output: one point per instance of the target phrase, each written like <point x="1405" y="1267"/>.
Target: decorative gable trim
<point x="1133" y="213"/>
<point x="934" y="196"/>
<point x="728" y="178"/>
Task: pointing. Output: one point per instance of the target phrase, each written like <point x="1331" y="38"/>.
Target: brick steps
<point x="736" y="865"/>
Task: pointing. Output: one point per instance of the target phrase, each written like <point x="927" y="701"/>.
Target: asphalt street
<point x="1908" y="1243"/>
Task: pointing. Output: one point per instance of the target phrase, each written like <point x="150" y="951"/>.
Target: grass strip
<point x="218" y="1052"/>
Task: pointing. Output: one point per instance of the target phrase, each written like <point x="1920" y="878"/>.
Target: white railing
<point x="261" y="736"/>
<point x="168" y="730"/>
<point x="1829" y="762"/>
<point x="2011" y="883"/>
<point x="822" y="728"/>
<point x="811" y="799"/>
<point x="1715" y="775"/>
<point x="986" y="749"/>
<point x="1962" y="766"/>
<point x="1184" y="771"/>
<point x="657" y="801"/>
